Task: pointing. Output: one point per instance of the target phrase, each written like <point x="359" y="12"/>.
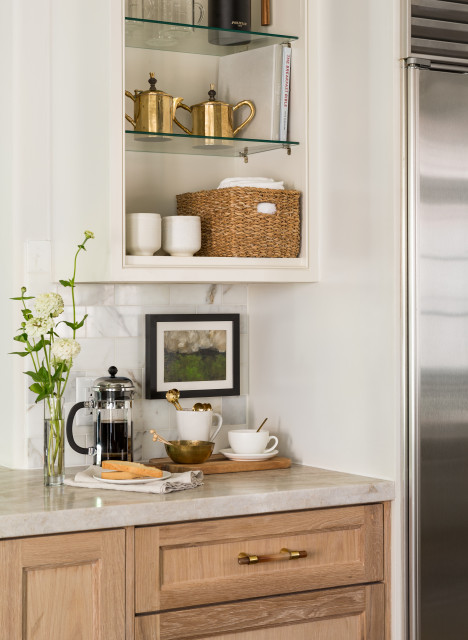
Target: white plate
<point x="166" y="474"/>
<point x="229" y="453"/>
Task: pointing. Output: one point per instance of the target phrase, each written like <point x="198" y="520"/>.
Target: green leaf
<point x="41" y="396"/>
<point x="26" y="313"/>
<point x="80" y="324"/>
<point x="23" y="337"/>
<point x="40" y="345"/>
<point x="41" y="375"/>
<point x="24" y="298"/>
<point x="65" y="283"/>
<point x="33" y="375"/>
<point x="49" y="388"/>
<point x="75" y="325"/>
<point x="22" y="354"/>
<point x="36" y="388"/>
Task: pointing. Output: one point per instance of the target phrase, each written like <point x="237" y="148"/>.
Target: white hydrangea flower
<point x="48" y="304"/>
<point x="37" y="327"/>
<point x="89" y="235"/>
<point x="65" y="349"/>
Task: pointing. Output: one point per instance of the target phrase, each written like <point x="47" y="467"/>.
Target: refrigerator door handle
<point x="413" y="386"/>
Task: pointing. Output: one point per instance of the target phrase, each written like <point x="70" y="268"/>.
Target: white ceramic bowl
<point x="181" y="235"/>
<point x="143" y="233"/>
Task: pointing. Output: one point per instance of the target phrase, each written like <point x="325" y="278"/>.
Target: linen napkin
<point x="176" y="482"/>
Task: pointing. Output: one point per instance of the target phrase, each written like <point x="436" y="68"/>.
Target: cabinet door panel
<point x="353" y="613"/>
<point x="64" y="587"/>
<point x="184" y="565"/>
<point x="70" y="587"/>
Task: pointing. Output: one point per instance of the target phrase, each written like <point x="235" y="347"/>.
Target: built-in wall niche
<point x="152" y="180"/>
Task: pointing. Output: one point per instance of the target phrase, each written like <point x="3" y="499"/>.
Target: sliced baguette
<point x="132" y="467"/>
<point x="119" y="475"/>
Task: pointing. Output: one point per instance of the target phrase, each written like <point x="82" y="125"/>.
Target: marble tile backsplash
<point x="114" y="335"/>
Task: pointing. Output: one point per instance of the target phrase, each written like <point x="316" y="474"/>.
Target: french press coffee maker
<point x="112" y="419"/>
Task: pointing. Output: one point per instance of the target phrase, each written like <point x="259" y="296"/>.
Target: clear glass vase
<point x="54" y="441"/>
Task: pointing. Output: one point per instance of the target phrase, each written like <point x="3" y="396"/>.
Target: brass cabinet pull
<point x="284" y="554"/>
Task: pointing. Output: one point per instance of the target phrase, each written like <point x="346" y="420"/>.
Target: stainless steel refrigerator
<point x="437" y="353"/>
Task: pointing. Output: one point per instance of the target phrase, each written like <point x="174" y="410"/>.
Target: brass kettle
<point x="154" y="110"/>
<point x="215" y="118"/>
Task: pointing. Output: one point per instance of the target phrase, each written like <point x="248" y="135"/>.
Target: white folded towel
<point x="176" y="482"/>
<point x="259" y="183"/>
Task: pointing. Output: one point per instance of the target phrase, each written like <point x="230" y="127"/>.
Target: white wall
<point x="325" y="358"/>
<point x="25" y="187"/>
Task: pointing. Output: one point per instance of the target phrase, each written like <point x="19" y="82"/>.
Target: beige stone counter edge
<point x="326" y="489"/>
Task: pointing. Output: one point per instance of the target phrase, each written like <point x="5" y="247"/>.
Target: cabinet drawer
<point x="354" y="613"/>
<point x="197" y="563"/>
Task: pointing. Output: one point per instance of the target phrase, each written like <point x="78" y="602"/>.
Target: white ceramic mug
<point x="251" y="441"/>
<point x="198" y="425"/>
<point x="181" y="235"/>
<point x="143" y="233"/>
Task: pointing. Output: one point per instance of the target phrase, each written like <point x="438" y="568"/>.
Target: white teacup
<point x="197" y="425"/>
<point x="251" y="441"/>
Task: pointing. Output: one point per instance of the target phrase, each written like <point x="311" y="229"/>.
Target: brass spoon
<point x="207" y="407"/>
<point x="198" y="406"/>
<point x="262" y="425"/>
<point x="172" y="396"/>
<point x="157" y="437"/>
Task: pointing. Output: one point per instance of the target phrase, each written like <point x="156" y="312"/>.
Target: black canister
<point x="229" y="14"/>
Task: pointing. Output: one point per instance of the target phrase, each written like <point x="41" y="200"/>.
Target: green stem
<point x="31" y="353"/>
<point x="55" y="437"/>
<point x="47" y="359"/>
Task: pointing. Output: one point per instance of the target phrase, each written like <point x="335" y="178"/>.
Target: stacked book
<point x="262" y="76"/>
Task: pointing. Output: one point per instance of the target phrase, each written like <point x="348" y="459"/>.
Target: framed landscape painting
<point x="196" y="354"/>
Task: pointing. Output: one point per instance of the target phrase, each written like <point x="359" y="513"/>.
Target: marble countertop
<point x="28" y="508"/>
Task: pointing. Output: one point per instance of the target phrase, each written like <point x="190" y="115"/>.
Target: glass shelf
<point x="200" y="145"/>
<point x="173" y="36"/>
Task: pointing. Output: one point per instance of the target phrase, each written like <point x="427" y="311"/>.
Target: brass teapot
<point x="154" y="110"/>
<point x="215" y="118"/>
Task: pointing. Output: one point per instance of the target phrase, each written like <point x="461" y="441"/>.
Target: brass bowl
<point x="189" y="451"/>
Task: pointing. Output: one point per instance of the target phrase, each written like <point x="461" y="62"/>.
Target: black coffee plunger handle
<point x="71" y="440"/>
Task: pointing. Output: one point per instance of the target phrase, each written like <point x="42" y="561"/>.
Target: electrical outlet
<point x="84" y="392"/>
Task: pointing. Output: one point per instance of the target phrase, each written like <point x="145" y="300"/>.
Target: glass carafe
<point x="183" y="11"/>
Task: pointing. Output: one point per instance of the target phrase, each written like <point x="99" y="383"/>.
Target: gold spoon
<point x="207" y="407"/>
<point x="172" y="396"/>
<point x="157" y="437"/>
<point x="198" y="406"/>
<point x="262" y="425"/>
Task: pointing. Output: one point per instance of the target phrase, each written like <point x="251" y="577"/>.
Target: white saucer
<point x="166" y="474"/>
<point x="229" y="453"/>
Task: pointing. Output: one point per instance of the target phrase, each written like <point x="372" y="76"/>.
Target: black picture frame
<point x="159" y="326"/>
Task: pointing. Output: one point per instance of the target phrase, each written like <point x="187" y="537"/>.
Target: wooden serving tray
<point x="219" y="464"/>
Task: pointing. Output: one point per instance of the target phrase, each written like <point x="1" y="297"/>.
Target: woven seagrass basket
<point x="231" y="226"/>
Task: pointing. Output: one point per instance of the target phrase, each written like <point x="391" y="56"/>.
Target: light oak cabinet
<point x="338" y="589"/>
<point x="184" y="565"/>
<point x="356" y="613"/>
<point x="184" y="581"/>
<point x="64" y="587"/>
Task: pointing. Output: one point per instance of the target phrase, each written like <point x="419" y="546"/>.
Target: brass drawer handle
<point x="284" y="554"/>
